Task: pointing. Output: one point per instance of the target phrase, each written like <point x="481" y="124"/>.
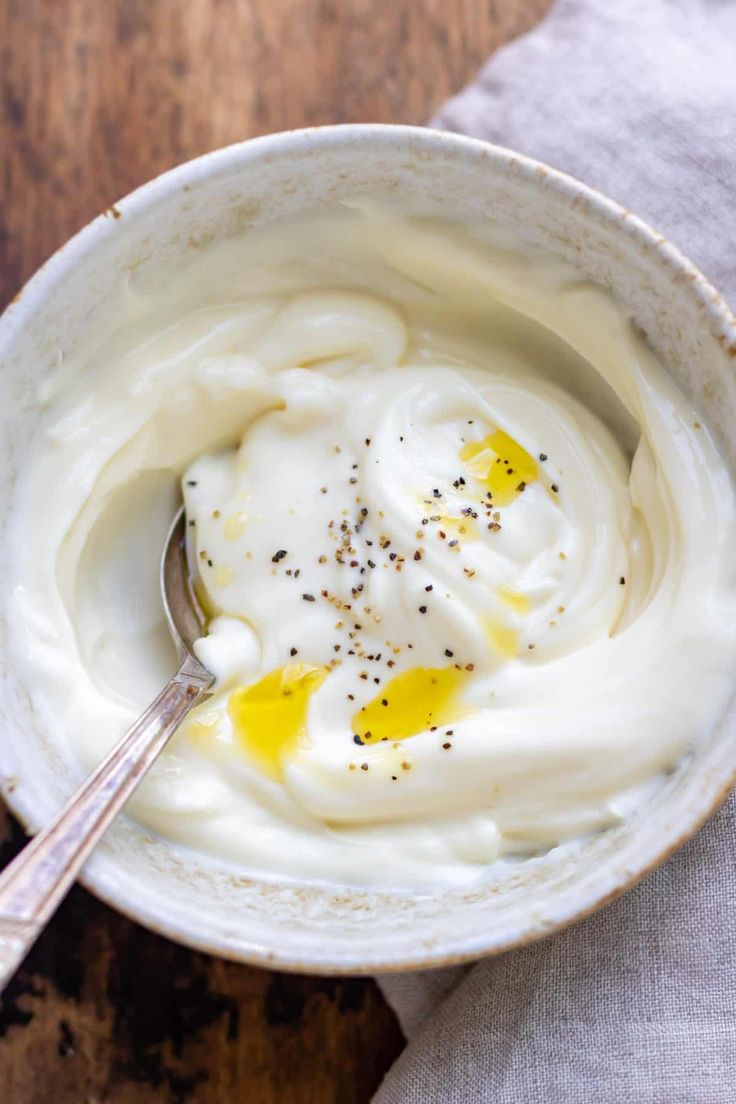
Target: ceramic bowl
<point x="309" y="927"/>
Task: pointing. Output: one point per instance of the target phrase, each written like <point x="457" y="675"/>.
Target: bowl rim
<point x="597" y="207"/>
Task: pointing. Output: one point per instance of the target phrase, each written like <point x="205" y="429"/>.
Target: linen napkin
<point x="636" y="1004"/>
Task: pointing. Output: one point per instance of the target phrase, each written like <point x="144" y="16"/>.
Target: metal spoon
<point x="33" y="884"/>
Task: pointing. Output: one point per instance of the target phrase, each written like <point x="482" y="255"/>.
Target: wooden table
<point x="97" y="96"/>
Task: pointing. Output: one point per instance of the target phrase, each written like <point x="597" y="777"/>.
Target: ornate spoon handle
<point x="34" y="883"/>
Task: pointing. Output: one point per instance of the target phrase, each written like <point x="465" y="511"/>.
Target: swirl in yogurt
<point x="466" y="548"/>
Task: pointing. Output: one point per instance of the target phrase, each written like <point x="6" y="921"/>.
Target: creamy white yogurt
<point x="468" y="551"/>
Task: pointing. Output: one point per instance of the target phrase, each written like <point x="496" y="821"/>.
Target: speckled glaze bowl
<point x="316" y="928"/>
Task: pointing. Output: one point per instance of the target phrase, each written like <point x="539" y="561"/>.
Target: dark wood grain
<point x="97" y="96"/>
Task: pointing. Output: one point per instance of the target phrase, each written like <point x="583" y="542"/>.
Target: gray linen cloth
<point x="636" y="1004"/>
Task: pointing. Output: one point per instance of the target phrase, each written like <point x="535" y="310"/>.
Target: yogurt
<point x="465" y="547"/>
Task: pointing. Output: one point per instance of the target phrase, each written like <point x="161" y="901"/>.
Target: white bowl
<point x="306" y="927"/>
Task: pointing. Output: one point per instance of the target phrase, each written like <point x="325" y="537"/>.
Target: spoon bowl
<point x="185" y="617"/>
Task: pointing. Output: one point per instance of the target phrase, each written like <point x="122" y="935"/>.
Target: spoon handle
<point x="34" y="883"/>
